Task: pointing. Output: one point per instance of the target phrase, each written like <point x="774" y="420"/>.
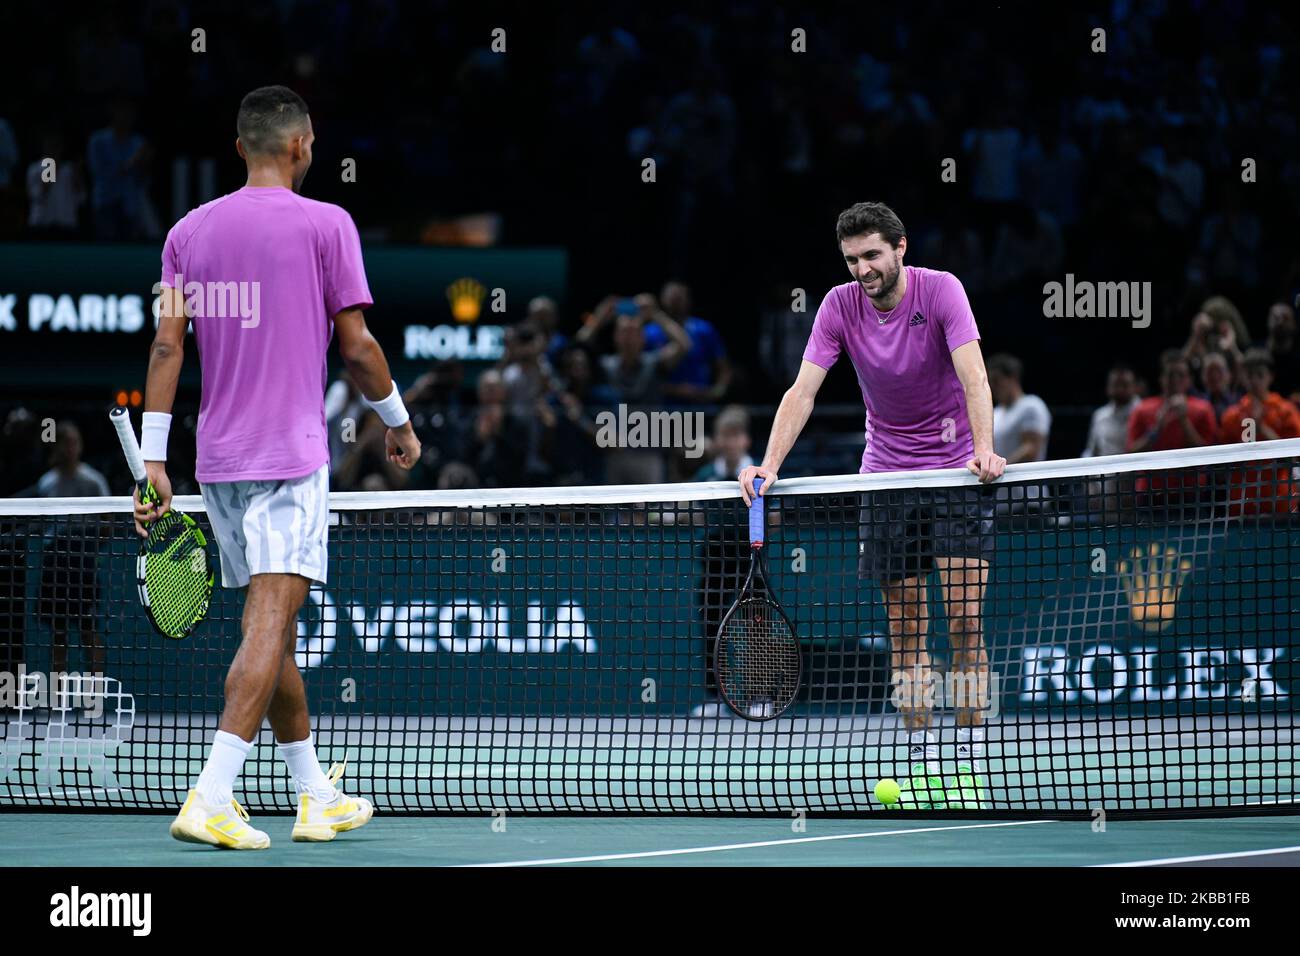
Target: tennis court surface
<point x="525" y="677"/>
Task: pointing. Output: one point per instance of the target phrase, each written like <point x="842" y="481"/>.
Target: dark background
<point x="548" y="139"/>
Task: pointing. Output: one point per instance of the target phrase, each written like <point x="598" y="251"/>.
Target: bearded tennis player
<point x="913" y="343"/>
<point x="266" y="277"/>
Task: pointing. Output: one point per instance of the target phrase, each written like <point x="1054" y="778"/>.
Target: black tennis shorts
<point x="902" y="531"/>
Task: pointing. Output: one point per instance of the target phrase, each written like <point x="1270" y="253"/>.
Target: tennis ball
<point x="887" y="791"/>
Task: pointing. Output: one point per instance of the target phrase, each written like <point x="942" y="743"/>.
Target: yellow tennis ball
<point x="887" y="791"/>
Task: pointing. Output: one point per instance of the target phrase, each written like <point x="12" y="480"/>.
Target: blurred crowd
<point x="1171" y="157"/>
<point x="532" y="419"/>
<point x="1225" y="384"/>
<point x="535" y="417"/>
<point x="1131" y="159"/>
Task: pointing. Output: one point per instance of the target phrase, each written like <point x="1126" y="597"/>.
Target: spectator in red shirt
<point x="1172" y="419"/>
<point x="1261" y="415"/>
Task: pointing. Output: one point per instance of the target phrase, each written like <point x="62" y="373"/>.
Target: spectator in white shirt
<point x="70" y="477"/>
<point x="55" y="189"/>
<point x="1108" y="433"/>
<point x="1021" y="422"/>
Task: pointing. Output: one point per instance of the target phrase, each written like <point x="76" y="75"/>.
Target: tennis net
<point x="549" y="649"/>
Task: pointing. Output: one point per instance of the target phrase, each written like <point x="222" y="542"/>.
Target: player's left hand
<point x="402" y="446"/>
<point x="147" y="512"/>
<point x="988" y="465"/>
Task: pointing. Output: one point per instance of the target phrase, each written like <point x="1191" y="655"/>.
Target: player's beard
<point x="888" y="280"/>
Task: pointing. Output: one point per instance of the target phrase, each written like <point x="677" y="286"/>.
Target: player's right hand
<point x="402" y="446"/>
<point x="747" y="476"/>
<point x="146" y="513"/>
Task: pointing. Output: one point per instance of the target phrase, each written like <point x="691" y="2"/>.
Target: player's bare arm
<point x="368" y="367"/>
<point x="796" y="407"/>
<point x="968" y="362"/>
<point x="166" y="356"/>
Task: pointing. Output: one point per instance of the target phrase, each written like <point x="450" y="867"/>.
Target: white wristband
<point x="153" y="436"/>
<point x="392" y="410"/>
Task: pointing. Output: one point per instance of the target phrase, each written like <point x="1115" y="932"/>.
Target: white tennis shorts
<point x="270" y="527"/>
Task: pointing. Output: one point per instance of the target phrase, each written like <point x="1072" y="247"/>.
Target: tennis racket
<point x="173" y="574"/>
<point x="757" y="659"/>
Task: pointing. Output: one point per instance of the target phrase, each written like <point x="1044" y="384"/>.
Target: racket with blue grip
<point x="757" y="658"/>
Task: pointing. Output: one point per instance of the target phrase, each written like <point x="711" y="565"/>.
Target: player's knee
<point x="907" y="629"/>
<point x="964" y="630"/>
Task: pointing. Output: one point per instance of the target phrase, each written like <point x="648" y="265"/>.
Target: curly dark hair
<point x="865" y="218"/>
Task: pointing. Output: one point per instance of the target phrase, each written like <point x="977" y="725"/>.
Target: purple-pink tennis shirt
<point x="264" y="271"/>
<point x="916" y="406"/>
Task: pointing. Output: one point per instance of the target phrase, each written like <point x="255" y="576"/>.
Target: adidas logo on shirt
<point x="917" y="319"/>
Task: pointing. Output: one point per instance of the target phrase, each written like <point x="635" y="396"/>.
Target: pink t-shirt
<point x="264" y="271"/>
<point x="916" y="406"/>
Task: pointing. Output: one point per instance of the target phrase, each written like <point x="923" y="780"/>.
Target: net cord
<point x="1104" y="465"/>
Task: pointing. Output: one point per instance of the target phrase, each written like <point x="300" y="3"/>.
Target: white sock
<point x="304" y="767"/>
<point x="970" y="743"/>
<point x="923" y="745"/>
<point x="226" y="758"/>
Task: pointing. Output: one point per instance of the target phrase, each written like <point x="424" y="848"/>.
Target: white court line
<point x="1206" y="856"/>
<point x="746" y="846"/>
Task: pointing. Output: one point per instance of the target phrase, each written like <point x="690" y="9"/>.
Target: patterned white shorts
<point x="276" y="526"/>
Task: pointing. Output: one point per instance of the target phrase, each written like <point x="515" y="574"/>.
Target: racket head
<point x="757" y="659"/>
<point x="174" y="575"/>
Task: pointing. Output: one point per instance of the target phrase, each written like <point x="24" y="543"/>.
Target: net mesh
<point x="1113" y="634"/>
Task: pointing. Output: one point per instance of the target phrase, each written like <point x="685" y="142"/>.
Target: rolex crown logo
<point x="1152" y="580"/>
<point x="466" y="298"/>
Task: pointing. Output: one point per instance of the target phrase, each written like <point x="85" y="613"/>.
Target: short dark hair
<point x="267" y="116"/>
<point x="1173" y="357"/>
<point x="865" y="218"/>
<point x="1119" y="368"/>
<point x="1257" y="358"/>
<point x="1213" y="354"/>
<point x="1004" y="364"/>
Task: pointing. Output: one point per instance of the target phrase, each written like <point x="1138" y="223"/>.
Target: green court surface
<point x="28" y="839"/>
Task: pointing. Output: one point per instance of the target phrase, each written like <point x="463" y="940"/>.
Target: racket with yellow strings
<point x="174" y="574"/>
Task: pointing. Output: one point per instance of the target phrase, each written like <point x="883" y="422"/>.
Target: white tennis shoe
<point x="319" y="821"/>
<point x="220" y="826"/>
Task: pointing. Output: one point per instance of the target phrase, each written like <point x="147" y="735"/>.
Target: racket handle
<point x="756" y="515"/>
<point x="121" y="420"/>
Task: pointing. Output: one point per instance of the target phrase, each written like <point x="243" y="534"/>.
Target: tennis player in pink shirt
<point x="913" y="343"/>
<point x="266" y="277"/>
